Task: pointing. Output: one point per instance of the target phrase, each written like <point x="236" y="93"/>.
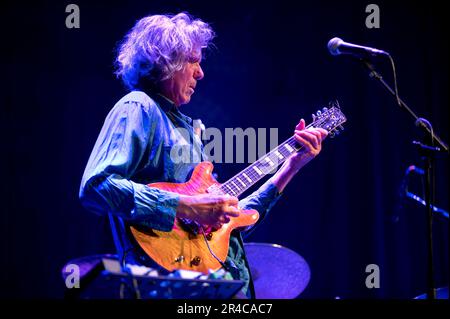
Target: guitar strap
<point x="116" y="225"/>
<point x="250" y="284"/>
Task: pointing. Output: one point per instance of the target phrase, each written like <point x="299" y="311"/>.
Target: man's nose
<point x="198" y="75"/>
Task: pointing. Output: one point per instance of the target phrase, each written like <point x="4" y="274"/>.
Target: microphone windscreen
<point x="333" y="45"/>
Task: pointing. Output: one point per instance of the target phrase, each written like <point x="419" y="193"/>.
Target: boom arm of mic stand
<point x="431" y="291"/>
<point x="373" y="73"/>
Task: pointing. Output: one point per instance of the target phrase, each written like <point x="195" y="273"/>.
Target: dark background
<point x="270" y="67"/>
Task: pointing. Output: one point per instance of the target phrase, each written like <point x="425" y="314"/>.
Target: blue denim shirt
<point x="133" y="149"/>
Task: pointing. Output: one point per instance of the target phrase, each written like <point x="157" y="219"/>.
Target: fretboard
<point x="267" y="164"/>
<point x="330" y="120"/>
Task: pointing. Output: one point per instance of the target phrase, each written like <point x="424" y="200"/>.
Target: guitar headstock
<point x="330" y="118"/>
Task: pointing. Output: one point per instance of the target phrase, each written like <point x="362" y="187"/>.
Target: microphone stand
<point x="427" y="154"/>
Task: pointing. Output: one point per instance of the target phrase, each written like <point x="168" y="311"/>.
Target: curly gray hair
<point x="159" y="45"/>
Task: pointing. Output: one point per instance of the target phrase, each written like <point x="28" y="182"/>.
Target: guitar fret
<point x="278" y="154"/>
<point x="248" y="178"/>
<point x="249" y="175"/>
<point x="293" y="143"/>
<point x="283" y="149"/>
<point x="289" y="148"/>
<point x="269" y="161"/>
<point x="285" y="154"/>
<point x="241" y="182"/>
<point x="230" y="188"/>
<point x="257" y="170"/>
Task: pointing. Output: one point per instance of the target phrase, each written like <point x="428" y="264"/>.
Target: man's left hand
<point x="311" y="140"/>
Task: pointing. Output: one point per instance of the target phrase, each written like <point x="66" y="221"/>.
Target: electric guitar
<point x="191" y="246"/>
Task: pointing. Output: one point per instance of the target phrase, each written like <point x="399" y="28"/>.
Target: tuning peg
<point x="319" y="113"/>
<point x="341" y="127"/>
<point x="331" y="134"/>
<point x="313" y="117"/>
<point x="325" y="109"/>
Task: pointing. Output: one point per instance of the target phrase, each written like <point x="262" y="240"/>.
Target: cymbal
<point x="441" y="293"/>
<point x="278" y="272"/>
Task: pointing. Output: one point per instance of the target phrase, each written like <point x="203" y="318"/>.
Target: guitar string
<point x="250" y="172"/>
<point x="290" y="140"/>
<point x="259" y="161"/>
<point x="282" y="151"/>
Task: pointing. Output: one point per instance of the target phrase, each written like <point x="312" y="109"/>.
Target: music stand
<point x="106" y="280"/>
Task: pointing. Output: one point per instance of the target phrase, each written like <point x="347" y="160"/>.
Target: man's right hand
<point x="207" y="209"/>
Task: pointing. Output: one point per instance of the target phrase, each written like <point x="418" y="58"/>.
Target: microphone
<point x="337" y="46"/>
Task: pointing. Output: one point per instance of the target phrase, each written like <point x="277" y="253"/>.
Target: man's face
<point x="180" y="87"/>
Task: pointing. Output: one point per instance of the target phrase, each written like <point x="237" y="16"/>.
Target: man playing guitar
<point x="159" y="62"/>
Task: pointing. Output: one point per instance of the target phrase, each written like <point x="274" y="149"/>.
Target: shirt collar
<point x="165" y="104"/>
<point x="168" y="106"/>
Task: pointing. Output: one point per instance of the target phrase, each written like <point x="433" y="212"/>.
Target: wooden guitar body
<point x="182" y="249"/>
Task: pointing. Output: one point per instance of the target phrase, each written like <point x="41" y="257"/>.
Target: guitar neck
<point x="267" y="164"/>
<point x="330" y="120"/>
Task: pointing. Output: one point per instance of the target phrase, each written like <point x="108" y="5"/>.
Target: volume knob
<point x="179" y="259"/>
<point x="196" y="261"/>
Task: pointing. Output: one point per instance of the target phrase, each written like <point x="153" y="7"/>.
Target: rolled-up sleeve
<point x="262" y="200"/>
<point x="107" y="185"/>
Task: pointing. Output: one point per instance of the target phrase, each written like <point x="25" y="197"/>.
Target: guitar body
<point x="182" y="249"/>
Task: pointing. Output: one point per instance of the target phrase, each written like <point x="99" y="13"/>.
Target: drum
<point x="441" y="293"/>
